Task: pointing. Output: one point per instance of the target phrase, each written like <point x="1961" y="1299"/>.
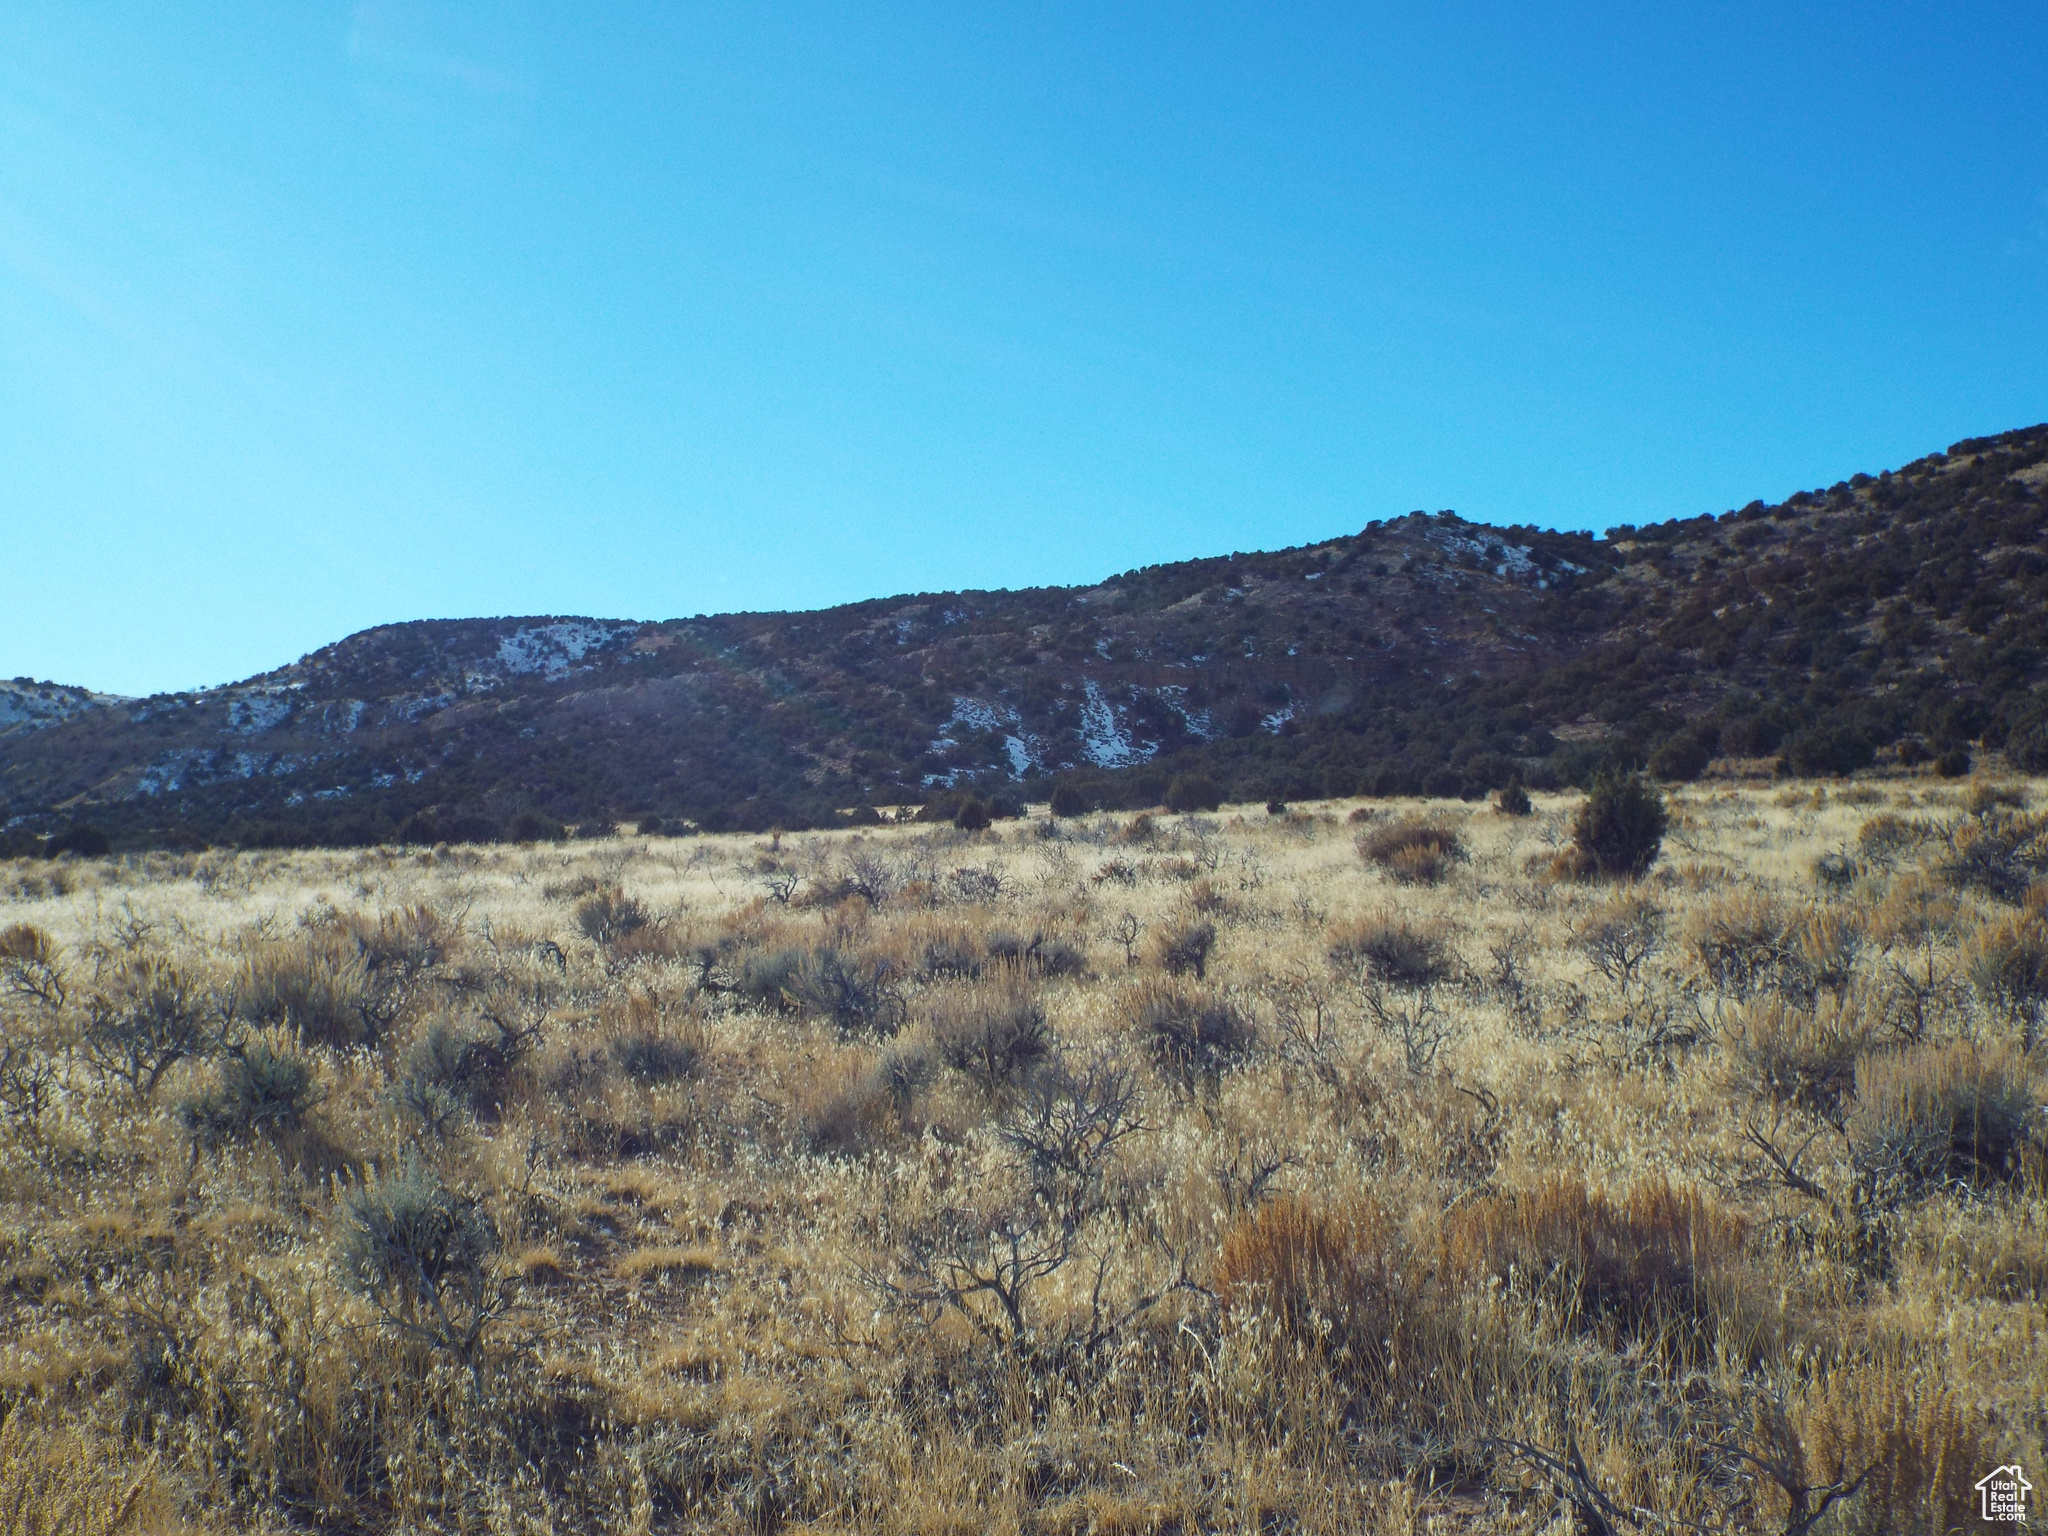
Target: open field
<point x="1112" y="1174"/>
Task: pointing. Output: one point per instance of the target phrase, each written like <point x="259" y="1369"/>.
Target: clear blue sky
<point x="317" y="316"/>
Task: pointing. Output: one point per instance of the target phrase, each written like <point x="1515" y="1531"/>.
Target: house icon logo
<point x="2004" y="1491"/>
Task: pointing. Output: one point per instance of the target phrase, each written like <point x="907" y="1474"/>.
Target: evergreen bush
<point x="1619" y="830"/>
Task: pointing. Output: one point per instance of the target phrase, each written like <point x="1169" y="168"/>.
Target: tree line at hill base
<point x="1155" y="787"/>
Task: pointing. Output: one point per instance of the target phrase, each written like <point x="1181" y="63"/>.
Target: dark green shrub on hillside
<point x="1582" y="762"/>
<point x="1955" y="763"/>
<point x="1751" y="736"/>
<point x="1514" y="800"/>
<point x="1684" y="757"/>
<point x="1619" y="830"/>
<point x="532" y="827"/>
<point x="955" y="804"/>
<point x="2026" y="740"/>
<point x="1067" y="800"/>
<point x="1193" y="792"/>
<point x="1484" y="772"/>
<point x="81" y="838"/>
<point x="1444" y="784"/>
<point x="1827" y="751"/>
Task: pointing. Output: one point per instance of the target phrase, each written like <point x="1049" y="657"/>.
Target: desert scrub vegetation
<point x="1356" y="1166"/>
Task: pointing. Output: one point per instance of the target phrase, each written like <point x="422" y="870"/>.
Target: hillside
<point x="1906" y="610"/>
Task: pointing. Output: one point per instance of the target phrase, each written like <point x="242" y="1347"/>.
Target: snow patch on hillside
<point x="978" y="715"/>
<point x="1198" y="721"/>
<point x="974" y="715"/>
<point x="187" y="767"/>
<point x="258" y="712"/>
<point x="1104" y="739"/>
<point x="551" y="649"/>
<point x="33" y="704"/>
<point x="1515" y="561"/>
<point x="413" y="706"/>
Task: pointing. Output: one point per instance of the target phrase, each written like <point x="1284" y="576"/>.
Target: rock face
<point x="1423" y="652"/>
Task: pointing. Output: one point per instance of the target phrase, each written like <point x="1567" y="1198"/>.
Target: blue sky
<point x="316" y="316"/>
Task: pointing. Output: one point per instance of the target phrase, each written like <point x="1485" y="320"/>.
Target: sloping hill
<point x="1905" y="610"/>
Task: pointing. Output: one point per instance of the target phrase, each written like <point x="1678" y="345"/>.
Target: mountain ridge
<point x="1892" y="613"/>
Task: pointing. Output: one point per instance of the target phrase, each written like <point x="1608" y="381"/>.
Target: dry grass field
<point x="1343" y="1168"/>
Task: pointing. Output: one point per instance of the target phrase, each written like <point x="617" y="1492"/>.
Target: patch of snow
<point x="1511" y="560"/>
<point x="1102" y="649"/>
<point x="978" y="715"/>
<point x="1197" y="721"/>
<point x="189" y="767"/>
<point x="258" y="712"/>
<point x="551" y="649"/>
<point x="39" y="704"/>
<point x="1278" y="718"/>
<point x="166" y="774"/>
<point x="1313" y="576"/>
<point x="971" y="714"/>
<point x="412" y="707"/>
<point x="1106" y="743"/>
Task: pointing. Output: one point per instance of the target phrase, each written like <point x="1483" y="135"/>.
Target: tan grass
<point x="1340" y="1167"/>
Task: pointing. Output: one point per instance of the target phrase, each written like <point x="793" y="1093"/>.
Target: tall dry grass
<point x="1347" y="1169"/>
